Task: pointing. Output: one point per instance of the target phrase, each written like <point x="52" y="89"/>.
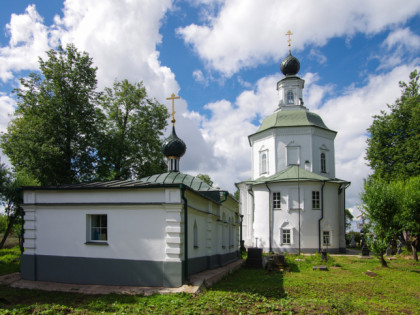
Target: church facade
<point x="293" y="202"/>
<point x="155" y="231"/>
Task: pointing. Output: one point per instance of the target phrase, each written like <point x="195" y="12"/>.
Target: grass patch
<point x="251" y="291"/>
<point x="9" y="260"/>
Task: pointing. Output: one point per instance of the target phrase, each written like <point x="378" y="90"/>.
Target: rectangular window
<point x="276" y="200"/>
<point x="326" y="238"/>
<point x="315" y="200"/>
<point x="97" y="228"/>
<point x="285" y="236"/>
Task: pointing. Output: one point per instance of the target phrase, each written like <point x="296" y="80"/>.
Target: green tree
<point x="10" y="198"/>
<point x="393" y="146"/>
<point x="349" y="218"/>
<point x="205" y="178"/>
<point x="132" y="125"/>
<point x="409" y="214"/>
<point x="381" y="202"/>
<point x="54" y="127"/>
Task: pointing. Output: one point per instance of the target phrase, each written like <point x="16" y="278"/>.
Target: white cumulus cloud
<point x="245" y="33"/>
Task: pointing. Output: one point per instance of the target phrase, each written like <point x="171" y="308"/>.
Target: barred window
<point x="326" y="238"/>
<point x="315" y="200"/>
<point x="276" y="200"/>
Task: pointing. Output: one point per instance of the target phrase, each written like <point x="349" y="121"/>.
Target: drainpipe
<point x="322" y="216"/>
<point x="185" y="231"/>
<point x="242" y="247"/>
<point x="269" y="219"/>
<point x="253" y="207"/>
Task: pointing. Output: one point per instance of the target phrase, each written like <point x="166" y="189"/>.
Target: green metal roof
<point x="159" y="180"/>
<point x="192" y="182"/>
<point x="291" y="174"/>
<point x="292" y="118"/>
<point x="179" y="178"/>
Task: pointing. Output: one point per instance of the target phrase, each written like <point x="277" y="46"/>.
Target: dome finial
<point x="173" y="98"/>
<point x="173" y="147"/>
<point x="289" y="33"/>
<point x="290" y="65"/>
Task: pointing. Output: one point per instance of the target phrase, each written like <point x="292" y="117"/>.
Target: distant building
<point x="293" y="201"/>
<point x="149" y="232"/>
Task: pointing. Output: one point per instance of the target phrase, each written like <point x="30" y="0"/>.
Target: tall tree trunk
<point x="414" y="244"/>
<point x="383" y="262"/>
<point x="8" y="229"/>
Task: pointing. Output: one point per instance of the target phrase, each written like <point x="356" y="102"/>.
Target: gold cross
<point x="289" y="33"/>
<point x="173" y="98"/>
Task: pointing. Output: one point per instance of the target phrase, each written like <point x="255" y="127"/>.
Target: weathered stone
<point x="320" y="267"/>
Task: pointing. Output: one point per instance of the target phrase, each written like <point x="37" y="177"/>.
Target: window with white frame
<point x="263" y="162"/>
<point x="276" y="200"/>
<point x="97" y="228"/>
<point x="323" y="163"/>
<point x="286" y="236"/>
<point x="316" y="202"/>
<point x="326" y="238"/>
<point x="290" y="97"/>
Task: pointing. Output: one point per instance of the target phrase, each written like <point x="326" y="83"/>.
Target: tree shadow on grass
<point x="254" y="281"/>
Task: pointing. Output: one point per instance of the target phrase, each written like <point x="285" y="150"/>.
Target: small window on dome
<point x="290" y="98"/>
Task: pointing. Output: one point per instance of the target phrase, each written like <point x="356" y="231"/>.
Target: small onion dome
<point x="173" y="146"/>
<point x="290" y="65"/>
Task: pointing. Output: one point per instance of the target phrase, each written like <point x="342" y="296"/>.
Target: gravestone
<point x="254" y="258"/>
<point x="320" y="267"/>
<point x="324" y="256"/>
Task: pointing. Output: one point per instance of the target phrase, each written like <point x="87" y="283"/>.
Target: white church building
<point x="155" y="231"/>
<point x="293" y="202"/>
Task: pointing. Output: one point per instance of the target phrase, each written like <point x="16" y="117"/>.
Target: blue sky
<point x="222" y="58"/>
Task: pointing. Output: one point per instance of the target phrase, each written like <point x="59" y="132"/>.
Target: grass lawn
<point x="343" y="289"/>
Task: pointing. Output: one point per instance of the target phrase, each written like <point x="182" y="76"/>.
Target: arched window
<point x="290" y="98"/>
<point x="323" y="163"/>
<point x="263" y="162"/>
<point x="195" y="234"/>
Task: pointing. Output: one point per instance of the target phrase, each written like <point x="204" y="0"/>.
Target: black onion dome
<point x="173" y="146"/>
<point x="290" y="65"/>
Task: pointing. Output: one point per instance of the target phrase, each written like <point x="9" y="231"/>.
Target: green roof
<point x="165" y="179"/>
<point x="179" y="178"/>
<point x="292" y="118"/>
<point x="192" y="182"/>
<point x="290" y="174"/>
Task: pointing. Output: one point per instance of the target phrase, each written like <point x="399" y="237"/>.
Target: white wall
<point x="133" y="232"/>
<point x="288" y="218"/>
<point x="101" y="195"/>
<point x="150" y="231"/>
<point x="309" y="140"/>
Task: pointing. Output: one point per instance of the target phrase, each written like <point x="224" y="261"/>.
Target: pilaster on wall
<point x="29" y="231"/>
<point x="209" y="235"/>
<point x="174" y="234"/>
